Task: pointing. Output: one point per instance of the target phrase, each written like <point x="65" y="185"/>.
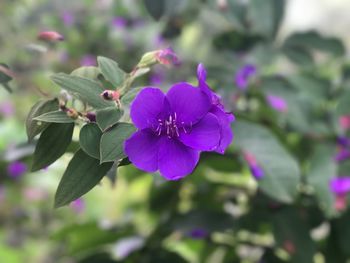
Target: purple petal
<point x="146" y="108"/>
<point x="278" y="103"/>
<point x="244" y="74"/>
<point x="189" y="103"/>
<point x="16" y="169"/>
<point x="257" y="171"/>
<point x="204" y="136"/>
<point x="175" y="159"/>
<point x="142" y="150"/>
<point x="226" y="134"/>
<point x="340" y="185"/>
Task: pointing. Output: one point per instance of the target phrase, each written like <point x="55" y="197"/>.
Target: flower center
<point x="168" y="126"/>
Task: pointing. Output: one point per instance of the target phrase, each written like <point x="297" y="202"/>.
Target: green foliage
<point x="282" y="171"/>
<point x="111" y="71"/>
<point x="54" y="116"/>
<point x="82" y="174"/>
<point x="108" y="117"/>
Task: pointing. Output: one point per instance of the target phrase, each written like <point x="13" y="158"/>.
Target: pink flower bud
<point x="111" y="95"/>
<point x="167" y="57"/>
<point x="50" y="36"/>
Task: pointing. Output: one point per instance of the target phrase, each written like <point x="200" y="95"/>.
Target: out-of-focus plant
<point x="279" y="193"/>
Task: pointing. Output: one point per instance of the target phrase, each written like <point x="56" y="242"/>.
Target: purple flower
<point x="254" y="167"/>
<point x="172" y="130"/>
<point x="340" y="185"/>
<point x="343" y="141"/>
<point x="88" y="60"/>
<point x="278" y="103"/>
<point x="344" y="122"/>
<point x="217" y="108"/>
<point x="119" y="22"/>
<point x="16" y="169"/>
<point x="342" y="155"/>
<point x="198" y="233"/>
<point x="78" y="205"/>
<point x="67" y="18"/>
<point x="50" y="36"/>
<point x="7" y="109"/>
<point x="244" y="74"/>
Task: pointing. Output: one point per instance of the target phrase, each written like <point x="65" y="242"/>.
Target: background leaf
<point x="281" y="170"/>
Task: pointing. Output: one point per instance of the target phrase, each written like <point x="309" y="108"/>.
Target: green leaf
<point x="108" y="117"/>
<point x="89" y="72"/>
<point x="5" y="73"/>
<point x="34" y="127"/>
<point x="156" y="8"/>
<point x="130" y="96"/>
<point x="82" y="174"/>
<point x="85" y="89"/>
<point x="292" y="232"/>
<point x="266" y="16"/>
<point x="52" y="144"/>
<point x="112" y="142"/>
<point x="322" y="169"/>
<point x="313" y="40"/>
<point x="111" y="71"/>
<point x="55" y="116"/>
<point x="299" y="55"/>
<point x="89" y="139"/>
<point x="343" y="106"/>
<point x="281" y="170"/>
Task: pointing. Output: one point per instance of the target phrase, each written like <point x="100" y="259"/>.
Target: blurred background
<point x="218" y="214"/>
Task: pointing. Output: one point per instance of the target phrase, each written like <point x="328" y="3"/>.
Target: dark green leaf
<point x="266" y="16"/>
<point x="88" y="72"/>
<point x="34" y="127"/>
<point x="322" y="169"/>
<point x="236" y="41"/>
<point x="111" y="71"/>
<point x="52" y="144"/>
<point x="85" y="89"/>
<point x="106" y="118"/>
<point x="5" y="73"/>
<point x="292" y="233"/>
<point x="82" y="174"/>
<point x="299" y="55"/>
<point x="156" y="8"/>
<point x="281" y="170"/>
<point x="313" y="40"/>
<point x="112" y="142"/>
<point x="89" y="139"/>
<point x="55" y="116"/>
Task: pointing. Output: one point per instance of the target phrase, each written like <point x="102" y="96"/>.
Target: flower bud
<point x="163" y="56"/>
<point x="111" y="95"/>
<point x="72" y="113"/>
<point x="50" y="36"/>
<point x="91" y="116"/>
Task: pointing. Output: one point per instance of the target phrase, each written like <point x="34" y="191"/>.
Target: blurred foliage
<point x="220" y="213"/>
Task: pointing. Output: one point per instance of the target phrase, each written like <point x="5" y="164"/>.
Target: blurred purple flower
<point x="126" y="246"/>
<point x="343" y="141"/>
<point x="159" y="41"/>
<point x="78" y="205"/>
<point x="198" y="233"/>
<point x="342" y="154"/>
<point x="88" y="60"/>
<point x="34" y="194"/>
<point x="119" y="22"/>
<point x="277" y="103"/>
<point x="67" y="18"/>
<point x="340" y="185"/>
<point x="157" y="76"/>
<point x="244" y="74"/>
<point x="16" y="169"/>
<point x="7" y="109"/>
<point x="217" y="108"/>
<point x="254" y="167"/>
